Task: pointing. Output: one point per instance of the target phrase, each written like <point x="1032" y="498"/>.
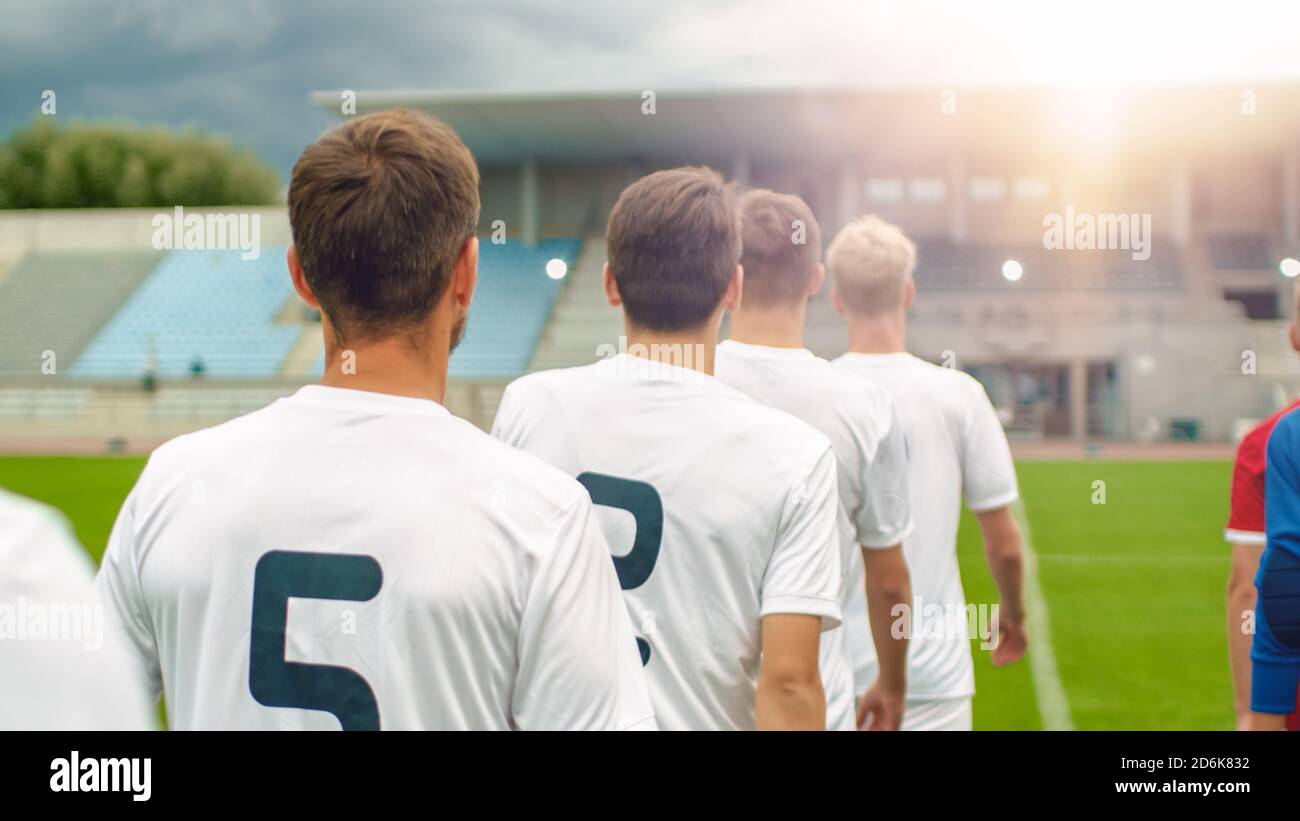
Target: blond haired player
<point x="957" y="450"/>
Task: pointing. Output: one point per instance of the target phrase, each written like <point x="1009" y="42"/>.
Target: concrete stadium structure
<point x="1181" y="332"/>
<point x="1088" y="343"/>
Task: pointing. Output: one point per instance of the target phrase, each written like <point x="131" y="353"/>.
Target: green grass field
<point x="1134" y="587"/>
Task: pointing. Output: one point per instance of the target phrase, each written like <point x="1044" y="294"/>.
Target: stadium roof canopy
<point x="828" y="126"/>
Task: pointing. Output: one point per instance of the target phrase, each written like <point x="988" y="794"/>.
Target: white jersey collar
<point x="627" y="366"/>
<point x="367" y="400"/>
<point x="765" y="351"/>
<point x="896" y="356"/>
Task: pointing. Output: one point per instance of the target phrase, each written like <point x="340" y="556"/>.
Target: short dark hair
<point x="380" y="208"/>
<point x="782" y="246"/>
<point x="674" y="242"/>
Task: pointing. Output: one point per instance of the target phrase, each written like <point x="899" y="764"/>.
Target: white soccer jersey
<point x="957" y="449"/>
<point x="356" y="559"/>
<point x="721" y="511"/>
<point x="59" y="670"/>
<point x="871" y="455"/>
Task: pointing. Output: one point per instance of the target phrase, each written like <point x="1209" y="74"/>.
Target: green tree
<point x="60" y="187"/>
<point x="8" y="168"/>
<point x="134" y="189"/>
<point x="103" y="165"/>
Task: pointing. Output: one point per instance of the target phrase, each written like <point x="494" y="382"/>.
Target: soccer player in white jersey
<point x="957" y="449"/>
<point x="765" y="358"/>
<point x="61" y="671"/>
<point x="721" y="511"/>
<point x="354" y="556"/>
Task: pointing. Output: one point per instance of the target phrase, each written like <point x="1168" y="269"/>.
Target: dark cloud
<point x="245" y="68"/>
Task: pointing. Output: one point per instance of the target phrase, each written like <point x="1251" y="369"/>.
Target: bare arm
<point x="1005" y="551"/>
<point x="1241" y="597"/>
<point x="789" y="694"/>
<point x="888" y="586"/>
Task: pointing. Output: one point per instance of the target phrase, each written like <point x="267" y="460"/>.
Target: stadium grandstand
<point x="1180" y="333"/>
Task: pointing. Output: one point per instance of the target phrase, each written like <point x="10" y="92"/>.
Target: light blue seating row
<point x="511" y="305"/>
<point x="209" y="306"/>
<point x="53" y="303"/>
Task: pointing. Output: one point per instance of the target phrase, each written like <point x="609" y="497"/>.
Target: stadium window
<point x="988" y="189"/>
<point x="1030" y="188"/>
<point x="927" y="189"/>
<point x="884" y="189"/>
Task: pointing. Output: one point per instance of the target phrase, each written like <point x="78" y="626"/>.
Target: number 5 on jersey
<point x="274" y="682"/>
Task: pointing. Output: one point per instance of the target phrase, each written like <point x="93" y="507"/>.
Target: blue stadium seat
<point x="511" y="306"/>
<point x="58" y="301"/>
<point x="209" y="305"/>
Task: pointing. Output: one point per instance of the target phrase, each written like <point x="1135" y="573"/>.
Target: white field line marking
<point x="1188" y="558"/>
<point x="1053" y="706"/>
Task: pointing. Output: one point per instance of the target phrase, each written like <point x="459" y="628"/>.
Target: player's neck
<point x="882" y="333"/>
<point x="771" y="327"/>
<point x="394" y="365"/>
<point x="691" y="348"/>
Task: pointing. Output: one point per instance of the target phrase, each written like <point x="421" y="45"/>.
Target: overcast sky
<point x="245" y="68"/>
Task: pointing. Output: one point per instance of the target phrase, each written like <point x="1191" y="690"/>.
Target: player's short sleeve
<point x="1246" y="514"/>
<point x="988" y="472"/>
<point x="579" y="666"/>
<point x="1275" y="649"/>
<point x="803" y="573"/>
<point x="126" y="616"/>
<point x="884" y="517"/>
<point x="1282" y="477"/>
<point x="511" y="423"/>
